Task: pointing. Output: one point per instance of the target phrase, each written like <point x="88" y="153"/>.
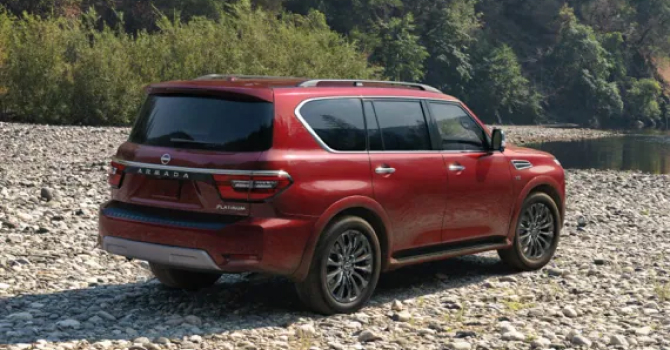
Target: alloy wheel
<point x="349" y="268"/>
<point x="536" y="231"/>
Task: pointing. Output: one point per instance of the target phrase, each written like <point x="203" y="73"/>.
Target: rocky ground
<point x="536" y="134"/>
<point x="608" y="287"/>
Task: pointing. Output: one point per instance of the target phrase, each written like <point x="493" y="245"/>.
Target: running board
<point x="447" y="250"/>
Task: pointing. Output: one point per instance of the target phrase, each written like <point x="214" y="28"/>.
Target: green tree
<point x="399" y="52"/>
<point x="652" y="31"/>
<point x="528" y="27"/>
<point x="448" y="30"/>
<point x="41" y="8"/>
<point x="606" y="16"/>
<point x="345" y="16"/>
<point x="499" y="92"/>
<point x="642" y="102"/>
<point x="580" y="69"/>
<point x="617" y="55"/>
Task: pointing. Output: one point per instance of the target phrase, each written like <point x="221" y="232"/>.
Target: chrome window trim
<point x="207" y="171"/>
<point x="363" y="98"/>
<point x="314" y="134"/>
<point x="521" y="164"/>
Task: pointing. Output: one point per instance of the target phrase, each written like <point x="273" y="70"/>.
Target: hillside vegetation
<point x="590" y="62"/>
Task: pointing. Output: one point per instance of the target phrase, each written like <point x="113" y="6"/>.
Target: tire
<point x="358" y="272"/>
<point x="183" y="279"/>
<point x="519" y="256"/>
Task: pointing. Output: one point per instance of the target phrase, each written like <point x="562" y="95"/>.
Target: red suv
<point x="326" y="182"/>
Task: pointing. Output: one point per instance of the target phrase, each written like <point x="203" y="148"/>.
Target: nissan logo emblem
<point x="166" y="159"/>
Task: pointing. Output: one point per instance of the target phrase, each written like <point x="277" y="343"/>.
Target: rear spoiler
<point x="187" y="88"/>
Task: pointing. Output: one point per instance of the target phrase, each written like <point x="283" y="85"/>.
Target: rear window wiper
<point x="182" y="140"/>
<point x="198" y="143"/>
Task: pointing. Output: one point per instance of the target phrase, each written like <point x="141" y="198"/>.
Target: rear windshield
<point x="198" y="122"/>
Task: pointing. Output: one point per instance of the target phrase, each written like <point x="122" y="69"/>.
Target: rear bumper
<point x="195" y="259"/>
<point x="270" y="245"/>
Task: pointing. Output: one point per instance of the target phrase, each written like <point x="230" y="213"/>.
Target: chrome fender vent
<point x="522" y="164"/>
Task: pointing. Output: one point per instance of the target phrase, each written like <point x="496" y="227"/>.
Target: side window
<point x="403" y="125"/>
<point x="338" y="122"/>
<point x="458" y="130"/>
<point x="374" y="134"/>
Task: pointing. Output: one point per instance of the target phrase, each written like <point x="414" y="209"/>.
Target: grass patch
<point x="457" y="316"/>
<point x="662" y="291"/>
<point x="516" y="305"/>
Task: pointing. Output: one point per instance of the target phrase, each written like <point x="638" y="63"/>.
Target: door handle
<point x="382" y="170"/>
<point x="456" y="167"/>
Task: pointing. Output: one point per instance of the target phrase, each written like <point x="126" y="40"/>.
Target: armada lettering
<point x="153" y="172"/>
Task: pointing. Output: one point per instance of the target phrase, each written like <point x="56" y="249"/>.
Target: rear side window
<point x="403" y="125"/>
<point x="458" y="130"/>
<point x="198" y="122"/>
<point x="338" y="123"/>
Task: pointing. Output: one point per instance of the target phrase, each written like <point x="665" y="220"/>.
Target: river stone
<point x="47" y="194"/>
<point x="618" y="340"/>
<point x="581" y="340"/>
<point x="460" y="346"/>
<point x="514" y="336"/>
<point x="643" y="331"/>
<point x="402" y="316"/>
<point x="69" y="323"/>
<point x="368" y="336"/>
<point x="20" y="316"/>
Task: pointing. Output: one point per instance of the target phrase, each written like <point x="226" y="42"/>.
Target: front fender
<point x="334" y="210"/>
<point x="542" y="180"/>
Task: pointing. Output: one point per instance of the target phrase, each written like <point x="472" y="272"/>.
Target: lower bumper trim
<point x="187" y="258"/>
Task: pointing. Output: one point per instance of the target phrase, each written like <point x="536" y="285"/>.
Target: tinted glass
<point x="339" y="123"/>
<point x="204" y="123"/>
<point x="374" y="135"/>
<point x="458" y="130"/>
<point x="403" y="125"/>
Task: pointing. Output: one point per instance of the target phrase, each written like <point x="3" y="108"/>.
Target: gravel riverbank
<point x="535" y="134"/>
<point x="608" y="287"/>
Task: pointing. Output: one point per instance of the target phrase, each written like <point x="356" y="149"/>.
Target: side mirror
<point x="497" y="140"/>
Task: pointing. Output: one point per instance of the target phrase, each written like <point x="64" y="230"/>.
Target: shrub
<point x="642" y="102"/>
<point x="66" y="71"/>
<point x="105" y="89"/>
<point x="36" y="74"/>
<point x="5" y="27"/>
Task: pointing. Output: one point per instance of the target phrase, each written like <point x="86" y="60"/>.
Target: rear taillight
<point x="115" y="174"/>
<point x="251" y="187"/>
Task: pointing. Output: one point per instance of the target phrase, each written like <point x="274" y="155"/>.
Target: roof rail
<point x="233" y="77"/>
<point x="315" y="83"/>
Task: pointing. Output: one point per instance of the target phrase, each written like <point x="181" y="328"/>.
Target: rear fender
<point x="326" y="218"/>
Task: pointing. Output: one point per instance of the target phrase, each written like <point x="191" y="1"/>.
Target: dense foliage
<point x="69" y="71"/>
<point x="590" y="62"/>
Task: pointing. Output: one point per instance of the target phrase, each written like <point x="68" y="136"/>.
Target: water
<point x="648" y="153"/>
